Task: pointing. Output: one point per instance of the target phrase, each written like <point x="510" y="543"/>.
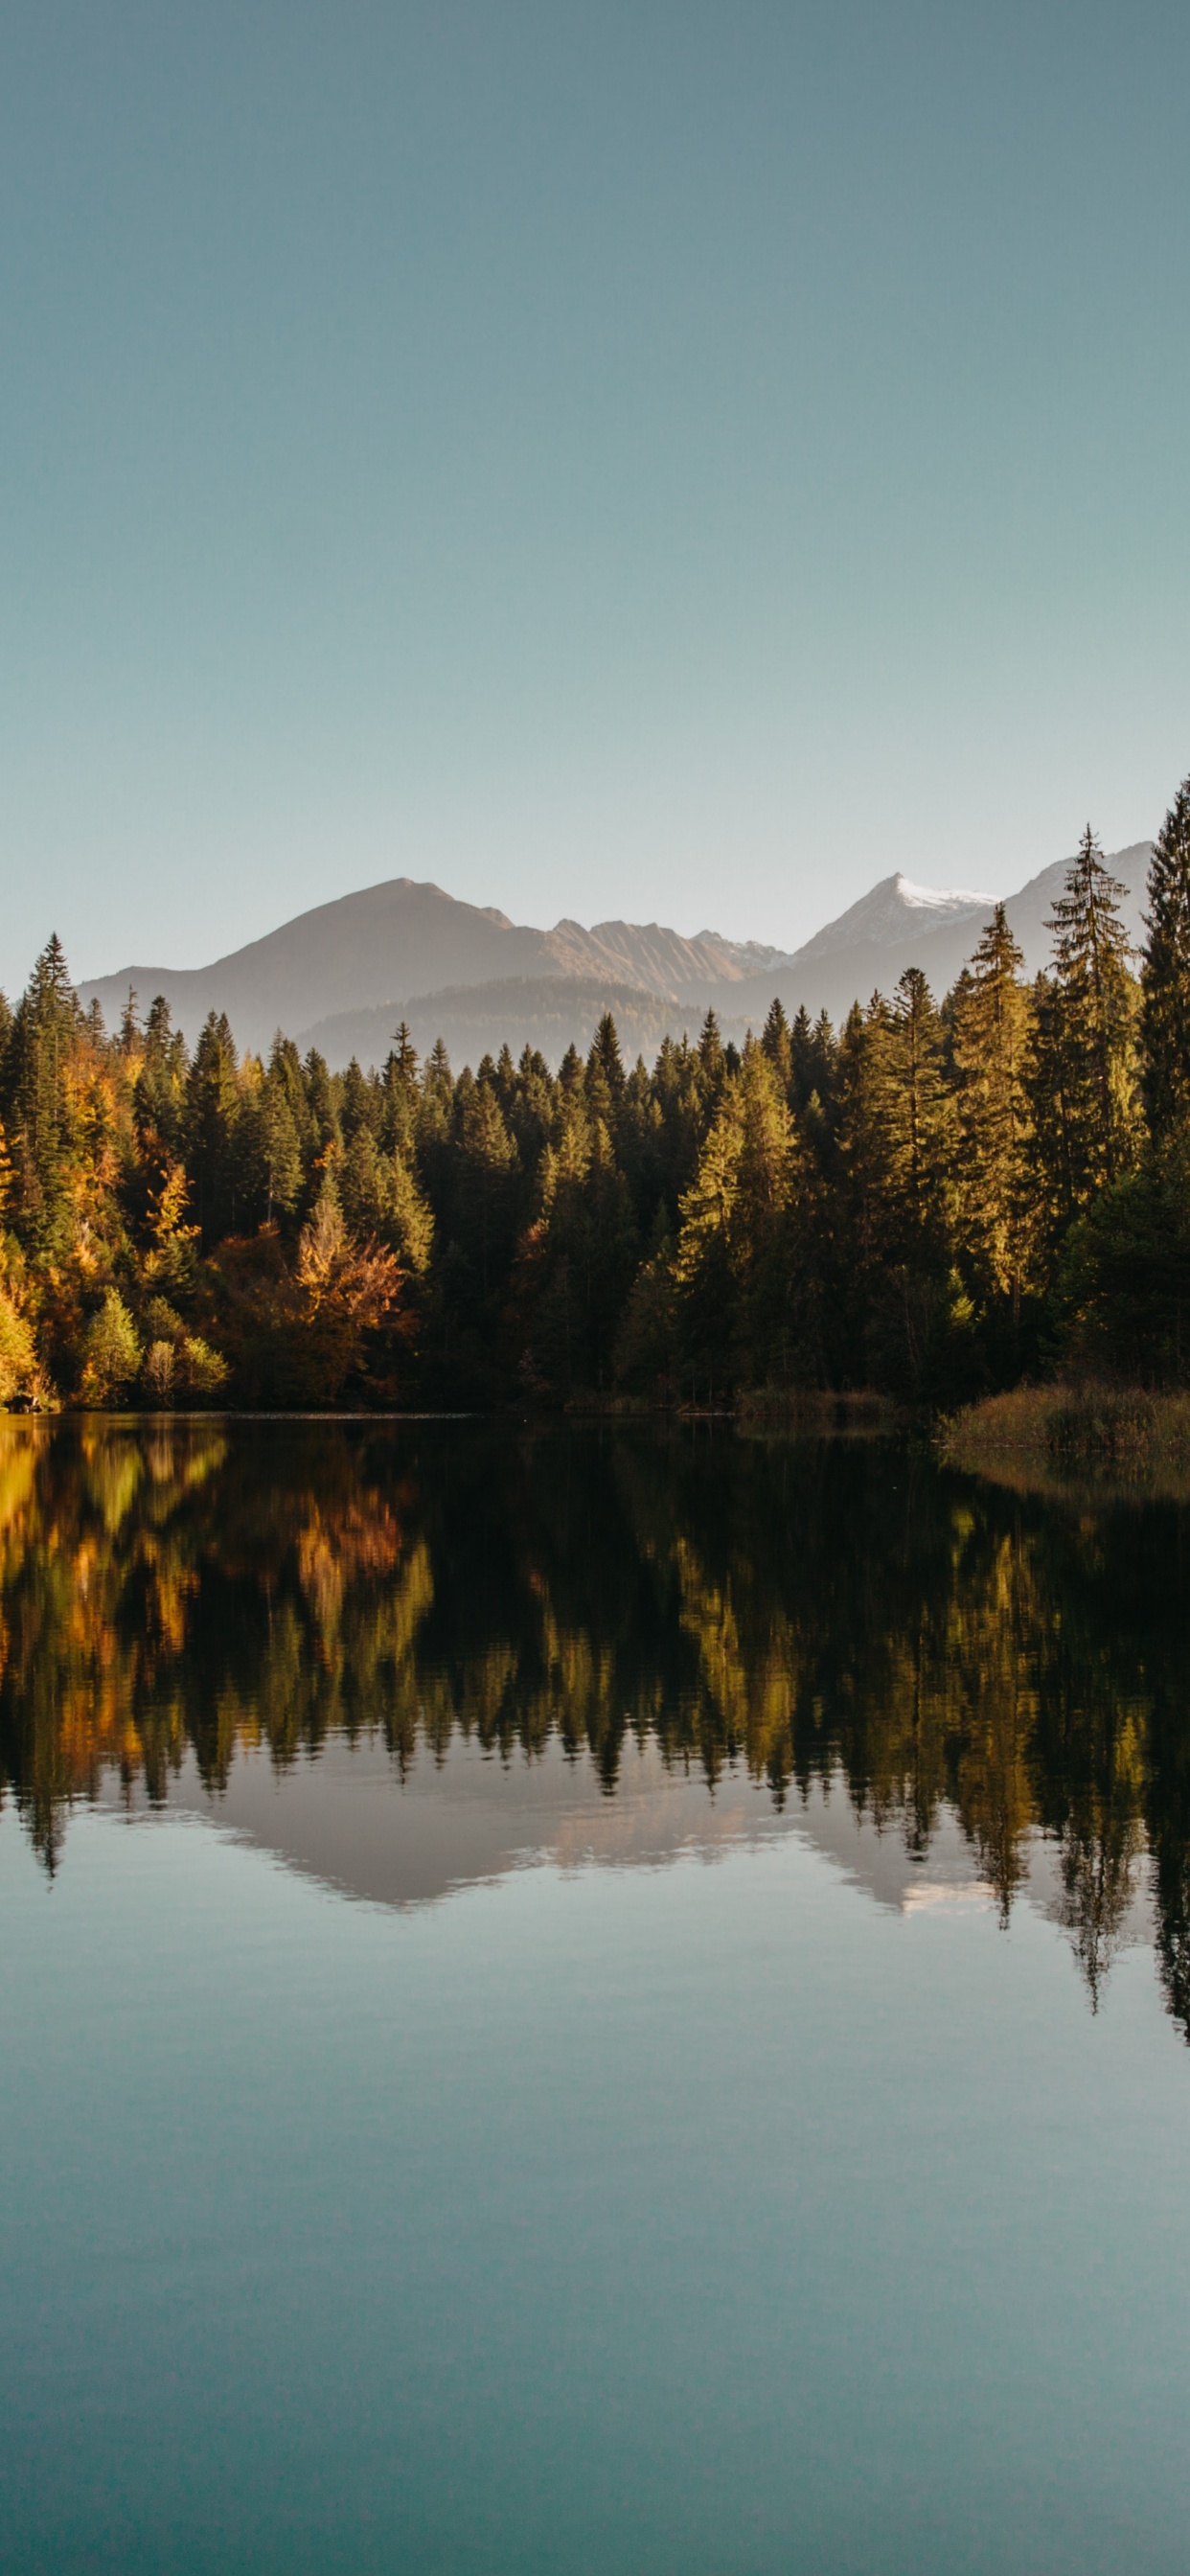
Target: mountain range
<point x="340" y="977"/>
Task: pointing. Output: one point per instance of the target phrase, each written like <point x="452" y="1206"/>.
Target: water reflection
<point x="962" y="1676"/>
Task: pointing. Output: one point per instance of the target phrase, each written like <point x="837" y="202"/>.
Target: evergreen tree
<point x="1165" y="979"/>
<point x="1083" y="1091"/>
<point x="778" y="1044"/>
<point x="322" y="1109"/>
<point x="46" y="1029"/>
<point x="485" y="1176"/>
<point x="358" y="1101"/>
<point x="889" y="1317"/>
<point x="400" y="1093"/>
<point x="990" y="1036"/>
<point x="711" y="1053"/>
<point x="130" y="1028"/>
<point x="861" y="1158"/>
<point x="915" y="1108"/>
<point x="212" y="1111"/>
<point x="159" y="1096"/>
<point x="743" y="1311"/>
<point x="605" y="1060"/>
<point x="271" y="1151"/>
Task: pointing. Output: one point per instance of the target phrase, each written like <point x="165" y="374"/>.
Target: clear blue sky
<point x="681" y="461"/>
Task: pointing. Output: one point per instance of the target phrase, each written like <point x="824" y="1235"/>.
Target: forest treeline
<point x="934" y="1200"/>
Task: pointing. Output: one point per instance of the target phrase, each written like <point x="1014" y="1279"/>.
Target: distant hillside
<point x="550" y="1013"/>
<point x="341" y="976"/>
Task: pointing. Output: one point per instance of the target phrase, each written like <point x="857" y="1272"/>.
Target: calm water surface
<point x="586" y="2002"/>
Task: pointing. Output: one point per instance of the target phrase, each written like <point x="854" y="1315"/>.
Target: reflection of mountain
<point x="339" y="977"/>
<point x="350" y="1818"/>
<point x="943" y="1686"/>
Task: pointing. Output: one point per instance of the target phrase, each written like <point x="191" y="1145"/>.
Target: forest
<point x="939" y="1199"/>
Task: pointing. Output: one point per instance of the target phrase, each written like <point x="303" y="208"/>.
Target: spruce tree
<point x="1165" y="978"/>
<point x="711" y="1052"/>
<point x="130" y="1028"/>
<point x="777" y="1043"/>
<point x="605" y="1058"/>
<point x="990" y="1034"/>
<point x="45" y="1033"/>
<point x="400" y="1093"/>
<point x="212" y="1111"/>
<point x="1092" y="959"/>
<point x="356" y="1108"/>
<point x="917" y="1108"/>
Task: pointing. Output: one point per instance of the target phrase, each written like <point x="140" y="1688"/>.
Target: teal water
<point x="427" y="2142"/>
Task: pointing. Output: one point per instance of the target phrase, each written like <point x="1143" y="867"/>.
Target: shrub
<point x="17" y="1354"/>
<point x="112" y="1354"/>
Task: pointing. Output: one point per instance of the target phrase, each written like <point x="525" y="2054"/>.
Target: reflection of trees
<point x="839" y="1614"/>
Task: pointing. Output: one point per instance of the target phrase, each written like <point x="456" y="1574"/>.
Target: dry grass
<point x="1107" y="1439"/>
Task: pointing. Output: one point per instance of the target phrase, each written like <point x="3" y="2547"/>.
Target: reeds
<point x="1125" y="1438"/>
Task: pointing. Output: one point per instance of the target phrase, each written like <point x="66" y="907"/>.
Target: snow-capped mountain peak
<point x="948" y="899"/>
<point x="892" y="913"/>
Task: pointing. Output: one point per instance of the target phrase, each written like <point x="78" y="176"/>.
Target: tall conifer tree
<point x="1082" y="1076"/>
<point x="1165" y="980"/>
<point x="990" y="1041"/>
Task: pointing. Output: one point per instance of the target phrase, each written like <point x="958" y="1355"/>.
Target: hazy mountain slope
<point x="369" y="951"/>
<point x="388" y="939"/>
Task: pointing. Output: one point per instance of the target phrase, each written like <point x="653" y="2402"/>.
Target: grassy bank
<point x="1054" y="1437"/>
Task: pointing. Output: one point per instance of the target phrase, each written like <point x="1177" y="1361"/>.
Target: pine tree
<point x="159" y="1095"/>
<point x="740" y="1266"/>
<point x="704" y="1266"/>
<point x="711" y="1052"/>
<point x="893" y="1155"/>
<point x="212" y="1110"/>
<point x="773" y="1231"/>
<point x="1082" y="1074"/>
<point x="322" y="1108"/>
<point x="777" y="1042"/>
<point x="1165" y="977"/>
<point x="358" y="1100"/>
<point x="400" y="1093"/>
<point x="45" y="1033"/>
<point x="605" y="1059"/>
<point x="485" y="1178"/>
<point x="990" y="1023"/>
<point x="861" y="1153"/>
<point x="278" y="1150"/>
<point x="130" y="1028"/>
<point x="917" y="1108"/>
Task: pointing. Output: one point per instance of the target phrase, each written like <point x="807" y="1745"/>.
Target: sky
<point x="674" y="461"/>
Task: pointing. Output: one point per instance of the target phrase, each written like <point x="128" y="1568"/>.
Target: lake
<point x="587" y="1999"/>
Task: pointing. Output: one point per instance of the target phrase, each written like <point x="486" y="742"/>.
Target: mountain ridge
<point x="340" y="975"/>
